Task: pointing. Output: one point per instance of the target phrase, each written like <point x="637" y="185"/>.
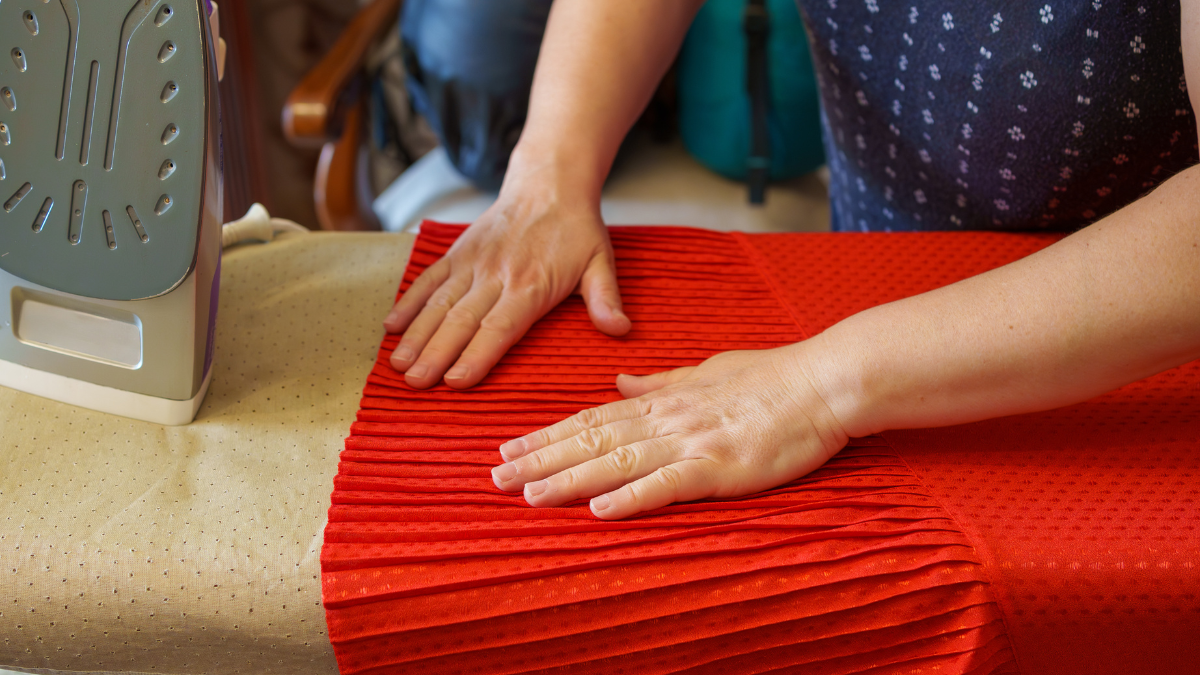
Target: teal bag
<point x="715" y="111"/>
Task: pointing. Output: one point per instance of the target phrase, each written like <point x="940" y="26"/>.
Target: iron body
<point x="111" y="190"/>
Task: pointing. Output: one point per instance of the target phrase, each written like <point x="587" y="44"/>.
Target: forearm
<point x="1111" y="304"/>
<point x="599" y="65"/>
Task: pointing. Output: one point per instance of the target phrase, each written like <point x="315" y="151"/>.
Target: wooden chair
<point x="244" y="175"/>
<point x="328" y="109"/>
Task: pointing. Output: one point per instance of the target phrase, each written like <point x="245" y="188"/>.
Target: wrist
<point x="836" y="375"/>
<point x="555" y="173"/>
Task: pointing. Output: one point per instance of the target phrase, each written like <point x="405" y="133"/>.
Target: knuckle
<point x="435" y="353"/>
<point x="530" y="465"/>
<point x="431" y="275"/>
<point x="460" y="315"/>
<point x="643" y="405"/>
<point x="412" y="341"/>
<point x="593" y="440"/>
<point x="531" y="287"/>
<point x="441" y="300"/>
<point x="590" y="417"/>
<point x="499" y="322"/>
<point x="543" y="437"/>
<point x="423" y="279"/>
<point x="641" y="492"/>
<point x="624" y="460"/>
<point x="567" y="482"/>
<point x="670" y="478"/>
<point x="478" y="356"/>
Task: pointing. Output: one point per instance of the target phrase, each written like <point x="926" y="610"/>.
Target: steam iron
<point x="110" y="179"/>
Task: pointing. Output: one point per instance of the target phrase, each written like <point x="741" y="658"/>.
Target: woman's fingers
<point x="623" y="465"/>
<point x="503" y="326"/>
<point x="725" y="428"/>
<point x="586" y="445"/>
<point x="602" y="295"/>
<point x="413" y="300"/>
<point x="422" y="328"/>
<point x="588" y="419"/>
<point x="456" y="328"/>
<point x="633" y="386"/>
<point x="683" y="481"/>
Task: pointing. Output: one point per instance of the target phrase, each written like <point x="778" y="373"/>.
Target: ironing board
<point x="129" y="547"/>
<point x="1063" y="542"/>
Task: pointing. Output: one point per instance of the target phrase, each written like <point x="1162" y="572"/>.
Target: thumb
<point x="632" y="386"/>
<point x="598" y="286"/>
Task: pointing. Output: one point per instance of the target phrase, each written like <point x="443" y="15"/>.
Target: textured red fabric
<point x="1087" y="517"/>
<point x="863" y="566"/>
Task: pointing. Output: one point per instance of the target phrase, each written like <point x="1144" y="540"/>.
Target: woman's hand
<point x="598" y="66"/>
<point x="514" y="264"/>
<point x="738" y="423"/>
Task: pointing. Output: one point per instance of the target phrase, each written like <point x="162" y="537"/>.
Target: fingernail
<point x="513" y="449"/>
<point x="390" y="317"/>
<point x="536" y="488"/>
<point x="418" y="371"/>
<point x="458" y="373"/>
<point x="404" y="353"/>
<point x="504" y="473"/>
<point x="600" y="503"/>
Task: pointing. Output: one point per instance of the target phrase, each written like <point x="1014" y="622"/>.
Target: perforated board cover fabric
<point x="931" y="552"/>
<point x="132" y="547"/>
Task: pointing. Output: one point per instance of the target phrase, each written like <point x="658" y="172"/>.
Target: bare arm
<point x="543" y="238"/>
<point x="1114" y="303"/>
<point x="1111" y="304"/>
<point x="599" y="65"/>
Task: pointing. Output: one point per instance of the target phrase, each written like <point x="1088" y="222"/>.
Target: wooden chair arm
<point x="335" y="187"/>
<point x="310" y="116"/>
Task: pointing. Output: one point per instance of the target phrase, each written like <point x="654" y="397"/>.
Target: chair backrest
<point x="241" y="125"/>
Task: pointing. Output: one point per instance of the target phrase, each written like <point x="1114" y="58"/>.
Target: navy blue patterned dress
<point x="995" y="114"/>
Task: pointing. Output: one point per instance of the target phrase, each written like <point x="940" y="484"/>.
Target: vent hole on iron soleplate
<point x="164" y="15"/>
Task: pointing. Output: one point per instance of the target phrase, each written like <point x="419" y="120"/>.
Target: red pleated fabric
<point x="876" y="563"/>
<point x="1087" y="518"/>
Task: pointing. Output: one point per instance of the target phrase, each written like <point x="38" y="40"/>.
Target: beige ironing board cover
<point x="130" y="547"/>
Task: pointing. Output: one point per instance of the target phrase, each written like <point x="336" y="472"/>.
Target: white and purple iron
<point x="110" y="181"/>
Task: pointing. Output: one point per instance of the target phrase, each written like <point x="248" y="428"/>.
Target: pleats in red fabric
<point x="428" y="568"/>
<point x="1087" y="517"/>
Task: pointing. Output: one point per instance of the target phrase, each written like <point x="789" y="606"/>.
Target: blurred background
<point x="320" y="123"/>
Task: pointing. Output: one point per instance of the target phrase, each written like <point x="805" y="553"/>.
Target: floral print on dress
<point x="997" y="114"/>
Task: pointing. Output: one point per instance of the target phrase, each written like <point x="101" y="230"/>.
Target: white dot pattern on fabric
<point x="1005" y="115"/>
<point x="126" y="546"/>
